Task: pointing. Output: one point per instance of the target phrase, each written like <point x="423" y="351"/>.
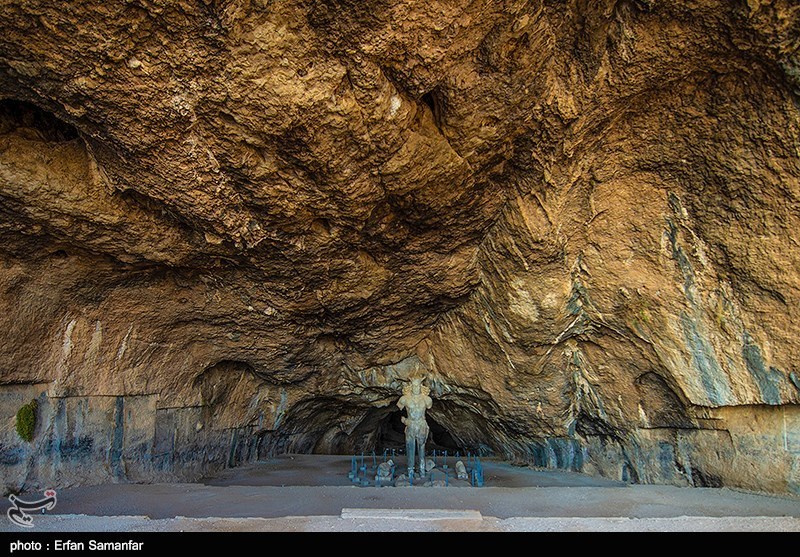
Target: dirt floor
<point x="313" y="493"/>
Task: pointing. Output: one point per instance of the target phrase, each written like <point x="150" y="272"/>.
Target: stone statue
<point x="416" y="401"/>
<point x="461" y="471"/>
<point x="384" y="474"/>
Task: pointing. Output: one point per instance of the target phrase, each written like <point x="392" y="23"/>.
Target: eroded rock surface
<point x="232" y="228"/>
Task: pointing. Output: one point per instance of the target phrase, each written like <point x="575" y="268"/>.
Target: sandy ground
<point x="312" y="494"/>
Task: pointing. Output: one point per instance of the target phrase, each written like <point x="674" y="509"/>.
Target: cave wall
<point x="82" y="440"/>
<point x="232" y="228"/>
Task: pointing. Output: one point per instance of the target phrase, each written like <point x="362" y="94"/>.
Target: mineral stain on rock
<point x="768" y="380"/>
<point x="712" y="377"/>
<point x="232" y="229"/>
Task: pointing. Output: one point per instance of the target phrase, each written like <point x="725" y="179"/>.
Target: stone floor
<point x="312" y="493"/>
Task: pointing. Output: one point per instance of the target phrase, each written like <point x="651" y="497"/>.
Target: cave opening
<point x="30" y="121"/>
<point x="391" y="435"/>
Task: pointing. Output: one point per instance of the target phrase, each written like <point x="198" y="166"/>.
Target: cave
<point x="239" y="231"/>
<point x="28" y="120"/>
<point x="391" y="435"/>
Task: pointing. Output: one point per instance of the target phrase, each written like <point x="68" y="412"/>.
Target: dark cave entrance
<point x="391" y="435"/>
<point x="33" y="123"/>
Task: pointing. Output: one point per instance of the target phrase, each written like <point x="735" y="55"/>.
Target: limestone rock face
<point x="231" y="228"/>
